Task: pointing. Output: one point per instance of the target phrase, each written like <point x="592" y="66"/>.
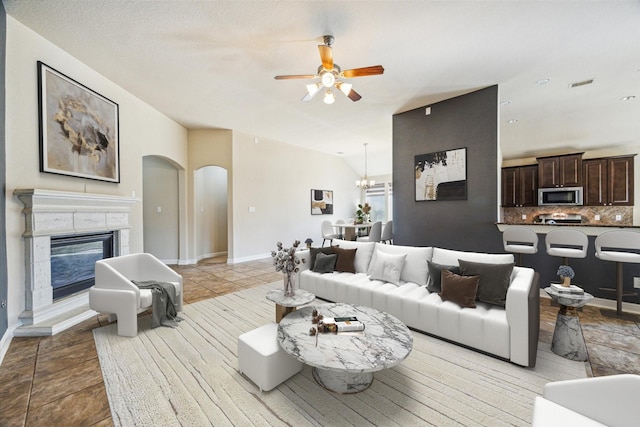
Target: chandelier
<point x="365" y="182"/>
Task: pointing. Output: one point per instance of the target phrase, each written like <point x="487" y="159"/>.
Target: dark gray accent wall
<point x="469" y="121"/>
<point x="3" y="177"/>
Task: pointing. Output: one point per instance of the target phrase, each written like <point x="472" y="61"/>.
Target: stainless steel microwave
<point x="563" y="196"/>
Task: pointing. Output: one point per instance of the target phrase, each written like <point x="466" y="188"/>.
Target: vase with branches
<point x="285" y="260"/>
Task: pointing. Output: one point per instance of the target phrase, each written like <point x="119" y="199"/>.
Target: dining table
<point x="350" y="231"/>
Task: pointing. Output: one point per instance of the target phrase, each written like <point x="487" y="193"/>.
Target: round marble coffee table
<point x="288" y="304"/>
<point x="568" y="341"/>
<point x="344" y="362"/>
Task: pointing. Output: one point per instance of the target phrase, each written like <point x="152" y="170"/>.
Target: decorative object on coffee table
<point x="285" y="260"/>
<point x="308" y="242"/>
<point x="566" y="274"/>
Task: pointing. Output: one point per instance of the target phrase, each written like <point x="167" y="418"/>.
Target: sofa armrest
<point x="305" y="260"/>
<point x="611" y="400"/>
<point x="523" y="314"/>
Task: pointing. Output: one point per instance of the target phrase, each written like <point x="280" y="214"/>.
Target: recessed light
<point x="543" y="81"/>
<point x="513" y="121"/>
<point x="505" y="103"/>
<point x="628" y="98"/>
<point x="340" y="153"/>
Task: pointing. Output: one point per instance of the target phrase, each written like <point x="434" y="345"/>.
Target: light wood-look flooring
<point x="34" y="392"/>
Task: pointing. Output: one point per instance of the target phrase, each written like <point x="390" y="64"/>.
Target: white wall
<point x="143" y="131"/>
<point x="276" y="179"/>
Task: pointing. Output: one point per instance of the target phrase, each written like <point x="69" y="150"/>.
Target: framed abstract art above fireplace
<point x="79" y="128"/>
<point x="321" y="202"/>
<point x="441" y="175"/>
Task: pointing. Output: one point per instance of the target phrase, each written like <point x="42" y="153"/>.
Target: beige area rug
<point x="188" y="377"/>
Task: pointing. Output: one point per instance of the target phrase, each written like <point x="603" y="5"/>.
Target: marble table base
<point x="343" y="382"/>
<point x="568" y="341"/>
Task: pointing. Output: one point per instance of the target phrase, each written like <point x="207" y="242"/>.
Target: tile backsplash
<point x="607" y="214"/>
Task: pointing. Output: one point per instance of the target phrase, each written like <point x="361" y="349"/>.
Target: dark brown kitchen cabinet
<point x="560" y="171"/>
<point x="608" y="181"/>
<point x="520" y="186"/>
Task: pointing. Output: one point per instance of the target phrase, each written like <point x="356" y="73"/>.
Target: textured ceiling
<point x="210" y="64"/>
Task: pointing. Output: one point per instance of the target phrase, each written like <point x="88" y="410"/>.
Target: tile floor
<point x="32" y="393"/>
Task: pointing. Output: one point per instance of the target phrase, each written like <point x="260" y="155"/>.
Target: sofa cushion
<point x="451" y="257"/>
<point x="345" y="261"/>
<point x="363" y="256"/>
<point x="313" y="253"/>
<point x="494" y="280"/>
<point x="387" y="267"/>
<point x="325" y="263"/>
<point x="415" y="268"/>
<point x="459" y="289"/>
<point x="435" y="269"/>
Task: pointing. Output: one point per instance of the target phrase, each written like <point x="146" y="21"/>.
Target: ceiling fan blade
<point x="365" y="71"/>
<point x="354" y="96"/>
<point x="296" y="76"/>
<point x="326" y="54"/>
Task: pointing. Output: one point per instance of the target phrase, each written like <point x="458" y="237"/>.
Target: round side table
<point x="568" y="341"/>
<point x="288" y="304"/>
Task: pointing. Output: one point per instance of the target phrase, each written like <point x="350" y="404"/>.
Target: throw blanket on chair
<point x="163" y="310"/>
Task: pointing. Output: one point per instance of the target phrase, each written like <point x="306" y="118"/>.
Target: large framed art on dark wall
<point x="79" y="128"/>
<point x="441" y="175"/>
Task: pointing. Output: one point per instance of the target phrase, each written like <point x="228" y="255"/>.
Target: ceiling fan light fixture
<point x="344" y="87"/>
<point x="328" y="79"/>
<point x="313" y="88"/>
<point x="329" y="98"/>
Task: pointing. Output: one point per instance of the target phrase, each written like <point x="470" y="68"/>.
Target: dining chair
<point x="339" y="229"/>
<point x="387" y="233"/>
<point x="328" y="233"/>
<point x="375" y="234"/>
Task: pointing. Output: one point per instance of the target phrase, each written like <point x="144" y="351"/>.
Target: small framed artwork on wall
<point x="441" y="175"/>
<point x="321" y="202"/>
<point x="79" y="128"/>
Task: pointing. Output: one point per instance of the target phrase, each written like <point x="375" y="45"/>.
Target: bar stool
<point x="566" y="243"/>
<point x="618" y="246"/>
<point x="520" y="240"/>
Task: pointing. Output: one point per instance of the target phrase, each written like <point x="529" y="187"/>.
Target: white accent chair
<point x="387" y="233"/>
<point x="566" y="243"/>
<point x="375" y="234"/>
<point x="115" y="294"/>
<point x="520" y="240"/>
<point x="328" y="233"/>
<point x="262" y="359"/>
<point x="601" y="401"/>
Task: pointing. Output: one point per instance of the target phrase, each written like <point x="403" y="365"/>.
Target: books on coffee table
<point x="573" y="289"/>
<point x="342" y="324"/>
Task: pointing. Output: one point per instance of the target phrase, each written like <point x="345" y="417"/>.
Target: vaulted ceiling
<point x="211" y="64"/>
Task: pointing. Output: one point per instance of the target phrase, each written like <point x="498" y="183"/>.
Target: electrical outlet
<point x="159" y="209"/>
<point x="597" y="217"/>
<point x="618" y="217"/>
<point x="636" y="282"/>
<point x="524" y="216"/>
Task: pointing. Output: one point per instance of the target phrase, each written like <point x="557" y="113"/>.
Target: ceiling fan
<point x="331" y="76"/>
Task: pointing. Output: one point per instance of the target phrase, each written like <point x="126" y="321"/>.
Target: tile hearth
<point x="34" y="393"/>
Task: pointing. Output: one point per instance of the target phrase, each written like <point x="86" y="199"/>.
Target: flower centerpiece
<point x="566" y="273"/>
<point x="362" y="214"/>
<point x="285" y="260"/>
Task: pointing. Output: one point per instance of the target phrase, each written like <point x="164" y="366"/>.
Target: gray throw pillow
<point x="313" y="253"/>
<point x="435" y="271"/>
<point x="324" y="263"/>
<point x="494" y="280"/>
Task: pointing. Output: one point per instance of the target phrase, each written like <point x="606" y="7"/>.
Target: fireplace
<point x="73" y="261"/>
<point x="60" y="227"/>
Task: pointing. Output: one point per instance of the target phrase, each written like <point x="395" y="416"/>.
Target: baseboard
<point x="6" y="341"/>
<point x="248" y="258"/>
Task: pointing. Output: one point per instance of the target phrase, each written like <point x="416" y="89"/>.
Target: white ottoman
<point x="262" y="360"/>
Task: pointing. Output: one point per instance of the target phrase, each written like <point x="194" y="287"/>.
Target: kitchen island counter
<point x="588" y="229"/>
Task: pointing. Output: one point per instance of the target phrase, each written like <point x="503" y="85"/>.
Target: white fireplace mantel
<point x="50" y="213"/>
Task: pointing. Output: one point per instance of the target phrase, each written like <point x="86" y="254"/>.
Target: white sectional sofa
<point x="509" y="332"/>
